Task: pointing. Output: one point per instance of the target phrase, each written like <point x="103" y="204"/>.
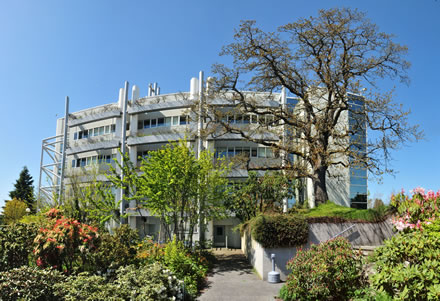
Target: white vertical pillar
<point x="123" y="145"/>
<point x="63" y="156"/>
<point x="284" y="137"/>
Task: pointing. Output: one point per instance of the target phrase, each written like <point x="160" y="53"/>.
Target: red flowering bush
<point x="328" y="271"/>
<point x="63" y="242"/>
<point x="415" y="211"/>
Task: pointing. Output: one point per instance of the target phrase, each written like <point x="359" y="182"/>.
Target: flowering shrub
<point x="29" y="283"/>
<point x="407" y="266"/>
<point x="16" y="245"/>
<point x="415" y="211"/>
<point x="191" y="266"/>
<point x="328" y="271"/>
<point x="151" y="282"/>
<point x="63" y="242"/>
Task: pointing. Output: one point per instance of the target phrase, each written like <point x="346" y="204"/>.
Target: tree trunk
<point x="319" y="187"/>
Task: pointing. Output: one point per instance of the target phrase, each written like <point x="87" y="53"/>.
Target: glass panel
<point x="238" y="119"/>
<point x="113" y="128"/>
<point x="167" y="121"/>
<point x="86" y="134"/>
<point x="75" y="136"/>
<point x="175" y="120"/>
<point x="231" y="152"/>
<point x="73" y="163"/>
<point x="261" y="152"/>
<point x="269" y="153"/>
<point x="238" y="150"/>
<point x="358" y="181"/>
<point x="246" y="119"/>
<point x="140" y="125"/>
<point x="107" y="129"/>
<point x="101" y="130"/>
<point x="254" y="119"/>
<point x="183" y="120"/>
<point x="95" y="131"/>
<point x="153" y="123"/>
<point x="83" y="162"/>
<point x="94" y="159"/>
<point x="254" y="152"/>
<point x="161" y="121"/>
<point x="231" y="119"/>
<point x="146" y="123"/>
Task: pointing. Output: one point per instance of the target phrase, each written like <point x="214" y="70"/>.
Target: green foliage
<point x="273" y="231"/>
<point x="86" y="287"/>
<point x="24" y="190"/>
<point x="29" y="283"/>
<point x="328" y="271"/>
<point x="369" y="294"/>
<point x="191" y="266"/>
<point x="88" y="199"/>
<point x="407" y="266"/>
<point x="260" y="194"/>
<point x="116" y="250"/>
<point x="177" y="187"/>
<point x="330" y="209"/>
<point x="16" y="245"/>
<point x="64" y="242"/>
<point x="14" y="210"/>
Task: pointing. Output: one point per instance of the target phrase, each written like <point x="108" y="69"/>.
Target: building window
<point x="160" y="122"/>
<point x="183" y="120"/>
<point x="153" y="123"/>
<point x="175" y="120"/>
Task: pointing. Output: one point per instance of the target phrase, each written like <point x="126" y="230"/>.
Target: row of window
<point x="255" y="152"/>
<point x="163" y="121"/>
<point x="249" y="119"/>
<point x="98" y="131"/>
<point x="99" y="159"/>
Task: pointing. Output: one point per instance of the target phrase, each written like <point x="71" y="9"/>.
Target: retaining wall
<point x="362" y="234"/>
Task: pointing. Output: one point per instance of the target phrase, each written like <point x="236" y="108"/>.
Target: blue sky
<point x="87" y="49"/>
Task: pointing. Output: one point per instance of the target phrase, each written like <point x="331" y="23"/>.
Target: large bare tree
<point x="335" y="66"/>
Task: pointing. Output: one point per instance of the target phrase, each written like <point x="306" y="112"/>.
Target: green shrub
<point x="151" y="282"/>
<point x="191" y="266"/>
<point x="273" y="231"/>
<point x="116" y="250"/>
<point x="86" y="287"/>
<point x="16" y="245"/>
<point x="407" y="266"/>
<point x="29" y="283"/>
<point x="328" y="271"/>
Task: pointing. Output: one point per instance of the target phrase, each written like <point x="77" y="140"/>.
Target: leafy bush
<point x="191" y="266"/>
<point x="86" y="287"/>
<point x="328" y="271"/>
<point x="116" y="250"/>
<point x="29" y="283"/>
<point x="273" y="231"/>
<point x="414" y="211"/>
<point x="16" y="245"/>
<point x="151" y="282"/>
<point x="407" y="266"/>
<point x="63" y="242"/>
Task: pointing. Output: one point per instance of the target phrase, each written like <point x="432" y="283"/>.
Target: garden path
<point x="234" y="279"/>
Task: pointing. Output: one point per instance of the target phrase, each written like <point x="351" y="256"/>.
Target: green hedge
<point x="274" y="231"/>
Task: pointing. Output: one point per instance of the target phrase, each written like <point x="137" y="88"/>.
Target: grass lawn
<point x="330" y="209"/>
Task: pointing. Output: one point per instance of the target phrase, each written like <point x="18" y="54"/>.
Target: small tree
<point x="24" y="190"/>
<point x="14" y="210"/>
<point x="176" y="186"/>
<point x="319" y="61"/>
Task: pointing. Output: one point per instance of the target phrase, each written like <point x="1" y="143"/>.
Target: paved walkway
<point x="233" y="279"/>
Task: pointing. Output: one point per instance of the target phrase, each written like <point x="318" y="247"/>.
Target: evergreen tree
<point x="24" y="190"/>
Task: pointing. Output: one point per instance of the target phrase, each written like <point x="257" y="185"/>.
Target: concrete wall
<point x="362" y="234"/>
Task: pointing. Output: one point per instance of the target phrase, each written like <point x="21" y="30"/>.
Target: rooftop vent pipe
<point x="194" y="89"/>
